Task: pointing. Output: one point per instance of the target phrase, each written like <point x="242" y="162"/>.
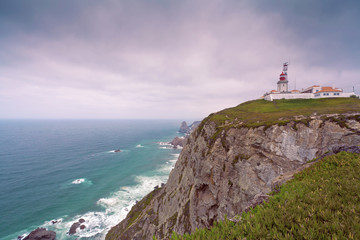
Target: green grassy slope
<point x="322" y="202"/>
<point x="261" y="112"/>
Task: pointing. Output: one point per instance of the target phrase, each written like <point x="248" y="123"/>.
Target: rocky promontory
<point x="231" y="161"/>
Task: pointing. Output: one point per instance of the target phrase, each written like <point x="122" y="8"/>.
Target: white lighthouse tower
<point x="282" y="84"/>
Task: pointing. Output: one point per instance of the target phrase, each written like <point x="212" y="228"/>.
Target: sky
<point x="168" y="59"/>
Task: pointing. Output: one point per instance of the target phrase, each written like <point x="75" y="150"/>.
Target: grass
<point x="261" y="112"/>
<point x="321" y="202"/>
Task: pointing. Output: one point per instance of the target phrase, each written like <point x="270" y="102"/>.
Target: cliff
<point x="320" y="202"/>
<point x="230" y="161"/>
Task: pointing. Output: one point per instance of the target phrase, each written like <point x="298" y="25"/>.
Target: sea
<point x="55" y="172"/>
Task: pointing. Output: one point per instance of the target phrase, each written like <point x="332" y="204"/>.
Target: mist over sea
<point x="54" y="172"/>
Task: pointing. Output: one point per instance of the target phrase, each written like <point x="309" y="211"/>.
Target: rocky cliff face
<point x="224" y="170"/>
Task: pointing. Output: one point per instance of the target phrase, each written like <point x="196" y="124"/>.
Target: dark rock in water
<point x="81" y="220"/>
<point x="184" y="128"/>
<point x="73" y="228"/>
<point x="82" y="227"/>
<point x="41" y="234"/>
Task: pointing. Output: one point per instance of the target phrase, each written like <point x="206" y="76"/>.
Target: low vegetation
<point x="321" y="202"/>
<point x="263" y="113"/>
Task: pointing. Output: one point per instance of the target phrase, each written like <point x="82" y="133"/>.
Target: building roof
<point x="329" y="89"/>
<point x="295" y="91"/>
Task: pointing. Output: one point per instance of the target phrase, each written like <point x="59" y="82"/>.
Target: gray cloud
<point x="166" y="59"/>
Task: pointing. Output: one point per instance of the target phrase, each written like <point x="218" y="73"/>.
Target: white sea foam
<point x="169" y="164"/>
<point x="166" y="147"/>
<point x="116" y="206"/>
<point x="139" y="146"/>
<point x="55" y="221"/>
<point x="78" y="181"/>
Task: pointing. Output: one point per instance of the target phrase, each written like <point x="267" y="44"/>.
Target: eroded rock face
<point x="225" y="173"/>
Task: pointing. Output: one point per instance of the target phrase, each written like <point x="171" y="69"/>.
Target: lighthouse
<point x="282" y="84"/>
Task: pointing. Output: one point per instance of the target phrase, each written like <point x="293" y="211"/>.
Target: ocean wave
<point x="115" y="151"/>
<point x="167" y="147"/>
<point x="166" y="144"/>
<point x="139" y="146"/>
<point x="78" y="181"/>
<point x="81" y="181"/>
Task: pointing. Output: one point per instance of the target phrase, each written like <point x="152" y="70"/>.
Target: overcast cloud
<point x="167" y="59"/>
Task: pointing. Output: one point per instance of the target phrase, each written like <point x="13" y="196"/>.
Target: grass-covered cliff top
<point x="261" y="112"/>
<point x="321" y="202"/>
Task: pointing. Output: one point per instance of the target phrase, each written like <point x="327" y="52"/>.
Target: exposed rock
<point x="279" y="180"/>
<point x="352" y="149"/>
<point x="41" y="234"/>
<point x="76" y="225"/>
<point x="73" y="228"/>
<point x="258" y="199"/>
<point x="178" y="142"/>
<point x="226" y="172"/>
<point x="184" y="128"/>
<point x="194" y="125"/>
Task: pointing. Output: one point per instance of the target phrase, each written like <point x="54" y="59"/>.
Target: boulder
<point x="73" y="228"/>
<point x="41" y="234"/>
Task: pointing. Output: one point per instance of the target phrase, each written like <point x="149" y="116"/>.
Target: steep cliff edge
<point x="230" y="160"/>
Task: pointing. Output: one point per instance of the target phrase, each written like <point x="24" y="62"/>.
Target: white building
<point x="315" y="91"/>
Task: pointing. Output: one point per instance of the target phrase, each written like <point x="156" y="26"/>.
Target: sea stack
<point x="184" y="128"/>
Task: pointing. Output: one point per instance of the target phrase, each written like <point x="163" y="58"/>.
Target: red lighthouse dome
<point x="283" y="76"/>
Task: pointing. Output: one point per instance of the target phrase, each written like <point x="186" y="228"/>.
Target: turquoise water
<point x="63" y="170"/>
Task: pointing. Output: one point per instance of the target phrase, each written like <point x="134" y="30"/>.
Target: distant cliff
<point x="231" y="160"/>
<point x="184" y="128"/>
